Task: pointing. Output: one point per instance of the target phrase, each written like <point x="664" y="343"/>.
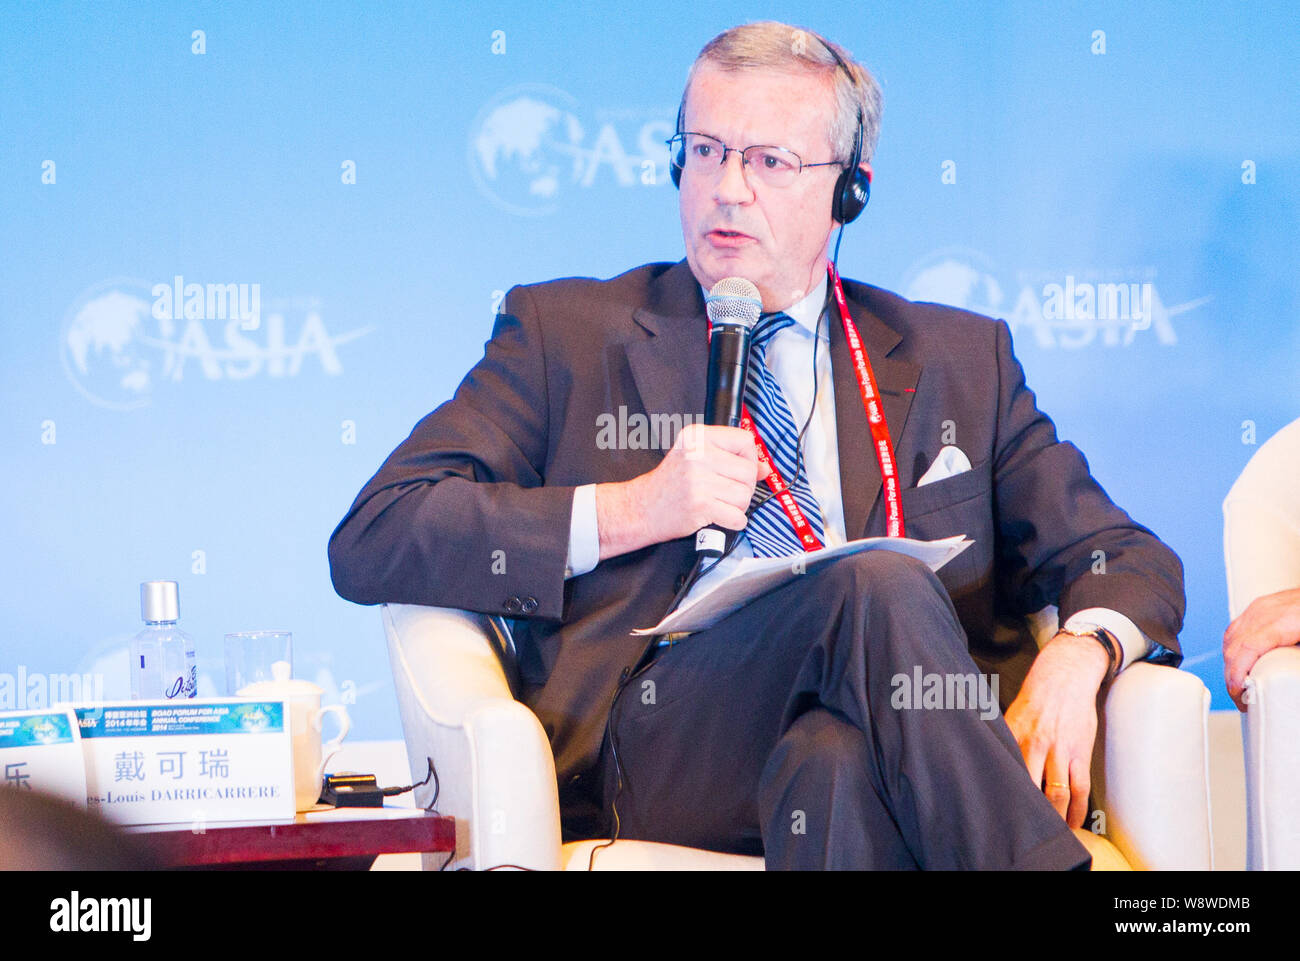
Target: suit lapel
<point x="860" y="480"/>
<point x="671" y="365"/>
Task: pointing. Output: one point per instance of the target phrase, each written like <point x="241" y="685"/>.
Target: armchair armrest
<point x="495" y="769"/>
<point x="1154" y="783"/>
<point x="1272" y="744"/>
<point x="1151" y="762"/>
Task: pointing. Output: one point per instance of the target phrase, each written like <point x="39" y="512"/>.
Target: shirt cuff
<point x="1134" y="644"/>
<point x="584" y="535"/>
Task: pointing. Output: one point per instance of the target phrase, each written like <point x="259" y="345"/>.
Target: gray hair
<point x="780" y="46"/>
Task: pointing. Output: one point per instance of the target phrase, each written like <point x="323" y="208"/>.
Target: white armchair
<point x="1272" y="750"/>
<point x="1261" y="546"/>
<point x="453" y="672"/>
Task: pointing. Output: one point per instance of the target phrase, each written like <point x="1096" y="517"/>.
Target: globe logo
<point x="45" y="732"/>
<point x="525" y="148"/>
<point x="104" y="344"/>
<point x="957" y="277"/>
<point x="253" y="718"/>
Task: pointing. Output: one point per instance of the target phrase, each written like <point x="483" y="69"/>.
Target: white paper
<point x="755" y="576"/>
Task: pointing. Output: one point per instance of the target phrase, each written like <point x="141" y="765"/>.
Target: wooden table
<point x="326" y="839"/>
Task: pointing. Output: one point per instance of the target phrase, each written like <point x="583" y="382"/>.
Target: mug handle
<point x="330" y="749"/>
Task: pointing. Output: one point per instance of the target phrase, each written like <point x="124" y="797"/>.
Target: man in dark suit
<point x="775" y="729"/>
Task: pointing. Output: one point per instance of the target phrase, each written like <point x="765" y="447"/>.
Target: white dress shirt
<point x="790" y="359"/>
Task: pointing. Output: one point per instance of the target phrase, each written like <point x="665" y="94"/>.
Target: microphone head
<point x="734" y="300"/>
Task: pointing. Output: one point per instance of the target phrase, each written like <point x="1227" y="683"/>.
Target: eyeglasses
<point x="703" y="155"/>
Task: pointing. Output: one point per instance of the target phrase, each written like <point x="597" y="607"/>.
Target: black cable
<point x="611" y="720"/>
<point x="825" y="312"/>
<point x="768" y="494"/>
<point x="431" y="807"/>
<point x="697" y="571"/>
<point x="437" y="790"/>
<point x="826" y="302"/>
<point x="437" y="786"/>
<point x="798" y="458"/>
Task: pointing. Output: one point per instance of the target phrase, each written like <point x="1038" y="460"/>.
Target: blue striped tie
<point x="769" y="530"/>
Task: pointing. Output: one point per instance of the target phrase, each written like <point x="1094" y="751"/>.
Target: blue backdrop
<point x="375" y="176"/>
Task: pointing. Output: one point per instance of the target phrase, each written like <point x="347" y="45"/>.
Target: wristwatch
<point x="1114" y="653"/>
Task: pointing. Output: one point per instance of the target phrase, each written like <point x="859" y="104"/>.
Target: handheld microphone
<point x="733" y="306"/>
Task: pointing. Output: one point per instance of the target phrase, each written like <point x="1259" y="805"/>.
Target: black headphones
<point x="852" y="189"/>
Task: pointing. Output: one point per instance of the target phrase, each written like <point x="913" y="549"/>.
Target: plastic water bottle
<point x="162" y="655"/>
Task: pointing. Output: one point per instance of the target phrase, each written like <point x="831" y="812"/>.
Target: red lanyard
<point x="879" y="436"/>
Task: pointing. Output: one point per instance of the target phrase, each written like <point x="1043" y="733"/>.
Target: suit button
<point x="679" y="583"/>
<point x="512" y="605"/>
<point x="529" y="605"/>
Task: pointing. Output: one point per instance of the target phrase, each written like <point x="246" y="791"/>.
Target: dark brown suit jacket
<point x="494" y="469"/>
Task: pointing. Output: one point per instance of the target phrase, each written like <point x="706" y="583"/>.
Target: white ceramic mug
<point x="302" y="698"/>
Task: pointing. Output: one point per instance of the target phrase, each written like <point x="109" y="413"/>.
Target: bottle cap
<point x="160" y="601"/>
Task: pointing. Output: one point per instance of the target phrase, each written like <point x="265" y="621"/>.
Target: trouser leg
<point x="697" y="730"/>
<point x="817" y="806"/>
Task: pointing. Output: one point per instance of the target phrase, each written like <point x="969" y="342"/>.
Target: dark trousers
<point x="782" y="731"/>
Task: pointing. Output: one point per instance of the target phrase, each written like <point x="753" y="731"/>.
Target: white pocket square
<point x="950" y="462"/>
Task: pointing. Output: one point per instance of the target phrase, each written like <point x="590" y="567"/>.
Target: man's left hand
<point x="1054" y="720"/>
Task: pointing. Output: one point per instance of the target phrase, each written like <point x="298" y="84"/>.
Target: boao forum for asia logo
<point x="1108" y="307"/>
<point x="124" y="338"/>
<point x="531" y="143"/>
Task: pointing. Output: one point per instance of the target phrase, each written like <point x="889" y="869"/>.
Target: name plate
<point x="41" y="751"/>
<point x="187" y="761"/>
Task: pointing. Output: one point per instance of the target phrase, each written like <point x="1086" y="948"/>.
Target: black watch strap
<point x="1114" y="652"/>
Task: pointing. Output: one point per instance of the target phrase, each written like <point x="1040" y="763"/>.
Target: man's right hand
<point x="707" y="477"/>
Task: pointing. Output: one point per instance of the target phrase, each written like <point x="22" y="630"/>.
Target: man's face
<point x="735" y="226"/>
